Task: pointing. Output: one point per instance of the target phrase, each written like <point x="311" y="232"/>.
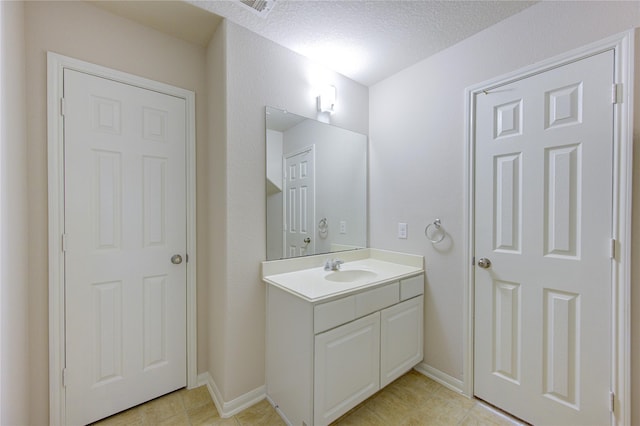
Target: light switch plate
<point x="402" y="230"/>
<point x="343" y="227"/>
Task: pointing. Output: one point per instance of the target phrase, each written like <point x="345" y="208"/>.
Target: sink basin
<point x="350" y="275"/>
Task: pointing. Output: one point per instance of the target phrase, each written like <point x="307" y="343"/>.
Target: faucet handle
<point x="333" y="264"/>
<point x="328" y="264"/>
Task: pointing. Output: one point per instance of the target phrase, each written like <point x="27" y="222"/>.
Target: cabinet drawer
<point x="376" y="299"/>
<point x="332" y="314"/>
<point x="411" y="287"/>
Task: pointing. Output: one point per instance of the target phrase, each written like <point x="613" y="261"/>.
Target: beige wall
<point x="417" y="137"/>
<point x="14" y="306"/>
<point x="81" y="31"/>
<point x="258" y="73"/>
<point x="216" y="187"/>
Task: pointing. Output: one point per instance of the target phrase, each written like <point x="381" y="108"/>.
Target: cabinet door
<point x="347" y="367"/>
<point x="401" y="339"/>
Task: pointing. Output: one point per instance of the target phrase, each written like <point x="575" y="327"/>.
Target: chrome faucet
<point x="333" y="264"/>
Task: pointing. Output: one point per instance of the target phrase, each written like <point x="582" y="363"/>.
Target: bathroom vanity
<point x="334" y="338"/>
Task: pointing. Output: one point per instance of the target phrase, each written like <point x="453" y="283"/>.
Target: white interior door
<point x="543" y="203"/>
<point x="299" y="203"/>
<point x="125" y="300"/>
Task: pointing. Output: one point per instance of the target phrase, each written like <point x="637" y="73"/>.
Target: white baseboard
<point x="280" y="413"/>
<point x="230" y="408"/>
<point x="444" y="379"/>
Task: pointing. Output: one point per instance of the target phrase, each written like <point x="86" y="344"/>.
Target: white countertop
<point x="311" y="283"/>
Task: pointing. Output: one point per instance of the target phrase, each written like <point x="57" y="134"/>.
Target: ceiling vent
<point x="259" y="7"/>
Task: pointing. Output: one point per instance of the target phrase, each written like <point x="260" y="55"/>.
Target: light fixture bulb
<point x="327" y="99"/>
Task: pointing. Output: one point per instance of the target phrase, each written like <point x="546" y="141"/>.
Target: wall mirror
<point x="316" y="186"/>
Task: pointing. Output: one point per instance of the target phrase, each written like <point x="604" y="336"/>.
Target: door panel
<point x="125" y="216"/>
<point x="543" y="203"/>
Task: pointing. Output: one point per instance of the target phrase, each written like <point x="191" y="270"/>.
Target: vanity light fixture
<point x="327" y="99"/>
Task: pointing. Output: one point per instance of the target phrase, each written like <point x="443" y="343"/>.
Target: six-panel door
<point x="125" y="219"/>
<point x="543" y="200"/>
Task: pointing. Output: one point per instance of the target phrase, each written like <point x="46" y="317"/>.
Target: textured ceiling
<point x="368" y="40"/>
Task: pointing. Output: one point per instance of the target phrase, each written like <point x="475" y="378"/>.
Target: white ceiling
<point x="363" y="39"/>
<point x="366" y="40"/>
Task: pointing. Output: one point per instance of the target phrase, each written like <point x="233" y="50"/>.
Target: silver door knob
<point x="176" y="259"/>
<point x="484" y="263"/>
<point x="307" y="240"/>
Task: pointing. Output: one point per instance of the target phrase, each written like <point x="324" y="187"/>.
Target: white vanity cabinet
<point x="400" y="339"/>
<point x="346" y="367"/>
<point x="324" y="358"/>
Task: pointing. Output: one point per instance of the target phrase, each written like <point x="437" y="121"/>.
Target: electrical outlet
<point x="343" y="227"/>
<point x="402" y="230"/>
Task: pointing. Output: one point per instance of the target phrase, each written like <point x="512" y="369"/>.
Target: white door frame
<point x="55" y="65"/>
<point x="623" y="47"/>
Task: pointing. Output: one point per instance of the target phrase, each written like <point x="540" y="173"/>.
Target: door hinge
<point x="62" y="107"/>
<point x="616" y="93"/>
<point x="612" y="249"/>
<point x="64" y="243"/>
<point x="64" y="377"/>
<point x="612" y="402"/>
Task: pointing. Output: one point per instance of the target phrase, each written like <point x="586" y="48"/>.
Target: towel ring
<point x="437" y="234"/>
<point x="323" y="227"/>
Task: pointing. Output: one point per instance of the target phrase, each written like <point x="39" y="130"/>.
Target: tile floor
<point x="411" y="400"/>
